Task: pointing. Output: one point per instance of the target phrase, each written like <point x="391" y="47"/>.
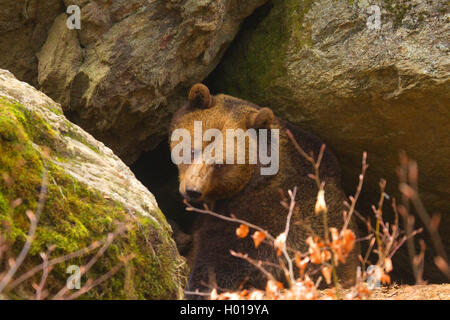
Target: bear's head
<point x="200" y="136"/>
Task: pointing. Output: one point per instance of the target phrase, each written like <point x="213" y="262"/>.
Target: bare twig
<point x="310" y="158"/>
<point x="109" y="239"/>
<point x="257" y="264"/>
<point x="403" y="240"/>
<point x="90" y="284"/>
<point x="378" y="215"/>
<point x="409" y="176"/>
<point x="354" y="199"/>
<point x="53" y="262"/>
<point x="34" y="219"/>
<point x="44" y="277"/>
<point x="320" y="186"/>
<point x="206" y="211"/>
<point x="291" y="210"/>
<point x="197" y="293"/>
<point x="292" y="195"/>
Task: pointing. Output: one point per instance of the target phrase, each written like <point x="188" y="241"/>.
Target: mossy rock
<point x="75" y="214"/>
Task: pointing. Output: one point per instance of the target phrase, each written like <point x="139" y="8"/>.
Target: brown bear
<point x="240" y="189"/>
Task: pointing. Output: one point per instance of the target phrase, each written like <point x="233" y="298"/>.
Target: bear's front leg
<point x="213" y="264"/>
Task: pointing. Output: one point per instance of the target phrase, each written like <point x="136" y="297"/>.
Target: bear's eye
<point x="192" y="154"/>
<point x="219" y="165"/>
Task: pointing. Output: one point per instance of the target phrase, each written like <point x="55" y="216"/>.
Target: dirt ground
<point x="420" y="292"/>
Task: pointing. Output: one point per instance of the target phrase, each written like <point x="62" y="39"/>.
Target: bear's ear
<point x="261" y="119"/>
<point x="199" y="97"/>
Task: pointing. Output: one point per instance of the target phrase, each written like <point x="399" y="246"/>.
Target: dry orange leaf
<point x="326" y="255"/>
<point x="364" y="292"/>
<point x="315" y="254"/>
<point x="334" y="234"/>
<point x="308" y="282"/>
<point x="348" y="238"/>
<point x="342" y="244"/>
<point x="388" y="264"/>
<point x="280" y="243"/>
<point x="326" y="271"/>
<point x="258" y="238"/>
<point x="320" y="203"/>
<point x="242" y="231"/>
<point x="301" y="263"/>
<point x="385" y="278"/>
<point x="273" y="288"/>
<point x="214" y="295"/>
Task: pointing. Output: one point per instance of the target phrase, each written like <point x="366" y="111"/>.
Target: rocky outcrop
<point x="124" y="73"/>
<point x="325" y="66"/>
<point x="23" y="31"/>
<point x="90" y="190"/>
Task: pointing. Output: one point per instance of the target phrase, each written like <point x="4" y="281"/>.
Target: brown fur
<point x="242" y="191"/>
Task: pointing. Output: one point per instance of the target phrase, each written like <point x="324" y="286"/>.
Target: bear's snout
<point x="193" y="195"/>
<point x="194" y="184"/>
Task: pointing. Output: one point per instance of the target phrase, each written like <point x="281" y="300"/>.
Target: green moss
<point x="79" y="138"/>
<point x="398" y="8"/>
<point x="36" y="128"/>
<point x="55" y="110"/>
<point x="259" y="51"/>
<point x="75" y="216"/>
<point x="295" y="13"/>
<point x="4" y="205"/>
<point x="72" y="134"/>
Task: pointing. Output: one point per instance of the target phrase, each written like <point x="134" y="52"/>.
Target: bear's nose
<point x="193" y="194"/>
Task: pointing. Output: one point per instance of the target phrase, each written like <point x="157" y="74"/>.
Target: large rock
<point x="123" y="74"/>
<point x="89" y="191"/>
<point x="23" y="30"/>
<point x="319" y="65"/>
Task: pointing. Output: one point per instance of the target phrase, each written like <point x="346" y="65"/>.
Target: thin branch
<point x="44" y="277"/>
<point x="291" y="210"/>
<point x="354" y="199"/>
<point x="403" y="240"/>
<point x="84" y="269"/>
<point x="426" y="220"/>
<point x="190" y="207"/>
<point x="255" y="263"/>
<point x="197" y="293"/>
<point x="90" y="284"/>
<point x="34" y="219"/>
<point x="315" y="164"/>
<point x="288" y="223"/>
<point x="378" y="215"/>
<point x="409" y="177"/>
<point x="53" y="262"/>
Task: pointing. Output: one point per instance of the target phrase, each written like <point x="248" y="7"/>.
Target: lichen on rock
<point x="90" y="191"/>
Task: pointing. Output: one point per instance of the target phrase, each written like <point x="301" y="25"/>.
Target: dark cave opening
<point x="157" y="172"/>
